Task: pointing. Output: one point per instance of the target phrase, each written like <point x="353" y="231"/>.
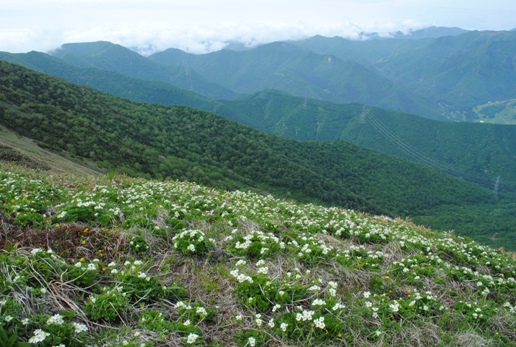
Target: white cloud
<point x="205" y="25"/>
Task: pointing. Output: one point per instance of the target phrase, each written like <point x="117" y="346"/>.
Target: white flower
<point x="39" y="336"/>
<point x="263" y="270"/>
<point x="92" y="266"/>
<point x="201" y="311"/>
<point x="192" y="338"/>
<point x="241" y="262"/>
<point x="305" y="315"/>
<point x="252" y="341"/>
<point x="239" y="317"/>
<point x="338" y="306"/>
<point x="271" y="323"/>
<point x="56" y="319"/>
<point x="79" y="327"/>
<point x="191" y="248"/>
<point x="367" y="294"/>
<point x="283" y="326"/>
<point x="318" y="302"/>
<point x="319" y="322"/>
<point x="25" y="321"/>
<point x="8" y="318"/>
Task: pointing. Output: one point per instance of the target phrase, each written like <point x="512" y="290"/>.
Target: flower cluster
<point x="192" y="242"/>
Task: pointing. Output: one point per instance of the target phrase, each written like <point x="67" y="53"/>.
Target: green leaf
<point x="3" y="335"/>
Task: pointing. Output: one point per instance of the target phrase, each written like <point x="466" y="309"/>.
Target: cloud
<point x="201" y="26"/>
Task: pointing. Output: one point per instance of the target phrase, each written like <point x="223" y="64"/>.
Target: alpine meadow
<point x="312" y="192"/>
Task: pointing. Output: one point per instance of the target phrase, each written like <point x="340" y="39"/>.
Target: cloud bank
<point x="201" y="26"/>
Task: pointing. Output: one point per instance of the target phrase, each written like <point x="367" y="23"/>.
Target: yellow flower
<point x="83" y="242"/>
<point x="386" y="277"/>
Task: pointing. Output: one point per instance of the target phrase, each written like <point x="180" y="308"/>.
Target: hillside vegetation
<point x="133" y="138"/>
<point x="114" y="261"/>
<point x="474" y="152"/>
<point x="184" y="143"/>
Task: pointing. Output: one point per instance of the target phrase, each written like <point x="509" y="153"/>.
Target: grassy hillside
<point x="22" y="150"/>
<point x="114" y="261"/>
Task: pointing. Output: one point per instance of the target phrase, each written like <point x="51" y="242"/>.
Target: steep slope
<point x="18" y="149"/>
<point x="189" y="144"/>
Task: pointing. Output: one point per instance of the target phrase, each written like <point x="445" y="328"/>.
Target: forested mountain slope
<point x="285" y="66"/>
<point x="475" y="152"/>
<point x="186" y="143"/>
<point x="111" y="82"/>
<point x="457" y="72"/>
<point x="111" y="57"/>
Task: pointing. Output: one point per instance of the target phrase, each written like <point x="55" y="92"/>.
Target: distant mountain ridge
<point x="456" y="72"/>
<point x="111" y="57"/>
<point x="439" y="73"/>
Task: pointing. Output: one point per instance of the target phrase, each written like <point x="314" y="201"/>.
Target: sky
<point x="201" y="26"/>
